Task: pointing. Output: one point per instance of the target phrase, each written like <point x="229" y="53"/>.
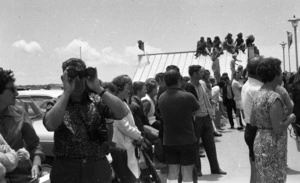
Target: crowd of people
<point x="113" y="131"/>
<point x="216" y="47"/>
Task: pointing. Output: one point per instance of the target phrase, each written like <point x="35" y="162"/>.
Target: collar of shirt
<point x="253" y="81"/>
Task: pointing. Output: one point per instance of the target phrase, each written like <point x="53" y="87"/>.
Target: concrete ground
<point x="233" y="158"/>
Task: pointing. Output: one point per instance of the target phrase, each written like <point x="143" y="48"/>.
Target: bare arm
<point x="115" y="104"/>
<point x="288" y="103"/>
<point x="278" y="123"/>
<point x="54" y="117"/>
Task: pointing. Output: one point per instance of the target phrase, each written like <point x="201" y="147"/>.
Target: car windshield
<point x="30" y="107"/>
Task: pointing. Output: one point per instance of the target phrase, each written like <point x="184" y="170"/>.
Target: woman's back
<point x="261" y="108"/>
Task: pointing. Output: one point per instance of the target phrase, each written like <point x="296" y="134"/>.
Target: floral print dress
<point x="270" y="149"/>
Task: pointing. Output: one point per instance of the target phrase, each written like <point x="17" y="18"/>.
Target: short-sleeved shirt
<point x="236" y="89"/>
<point x="249" y="91"/>
<point x="177" y="107"/>
<point x="83" y="133"/>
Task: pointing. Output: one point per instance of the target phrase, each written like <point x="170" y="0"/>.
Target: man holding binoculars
<point x="80" y="134"/>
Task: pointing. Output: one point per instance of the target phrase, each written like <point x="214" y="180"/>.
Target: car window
<point x="41" y="101"/>
<point x="30" y="107"/>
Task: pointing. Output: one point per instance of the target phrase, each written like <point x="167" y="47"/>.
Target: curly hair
<point x="151" y="84"/>
<point x="121" y="81"/>
<point x="268" y="69"/>
<point x="6" y="76"/>
<point x="74" y="62"/>
<point x="110" y="87"/>
<point x="159" y="76"/>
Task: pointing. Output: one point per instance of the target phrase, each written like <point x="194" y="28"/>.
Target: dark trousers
<point x="22" y="173"/>
<point x="230" y="105"/>
<point x="119" y="164"/>
<point x="66" y="170"/>
<point x="204" y="129"/>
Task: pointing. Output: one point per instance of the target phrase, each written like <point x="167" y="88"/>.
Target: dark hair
<point x="110" y="86"/>
<point x="224" y="78"/>
<point x="193" y="69"/>
<point x="252" y="65"/>
<point x="151" y="84"/>
<point x="159" y="76"/>
<point x="172" y="77"/>
<point x="137" y="86"/>
<point x="207" y="72"/>
<point x="121" y="81"/>
<point x="268" y="69"/>
<point x="186" y="78"/>
<point x="6" y="76"/>
<point x="212" y="80"/>
<point x="172" y="67"/>
<point x="225" y="74"/>
<point x="74" y="62"/>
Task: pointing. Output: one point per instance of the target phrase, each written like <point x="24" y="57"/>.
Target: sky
<point x="36" y="36"/>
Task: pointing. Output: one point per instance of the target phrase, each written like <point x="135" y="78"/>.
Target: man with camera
<point x="80" y="135"/>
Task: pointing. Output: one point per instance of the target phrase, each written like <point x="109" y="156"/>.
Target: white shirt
<point x="249" y="91"/>
<point x="236" y="86"/>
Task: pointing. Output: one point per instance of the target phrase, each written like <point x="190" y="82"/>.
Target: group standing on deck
<point x="169" y="119"/>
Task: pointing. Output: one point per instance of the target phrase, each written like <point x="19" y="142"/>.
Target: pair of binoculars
<point x="88" y="72"/>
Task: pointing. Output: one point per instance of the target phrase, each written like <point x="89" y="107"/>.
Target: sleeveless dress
<point x="270" y="149"/>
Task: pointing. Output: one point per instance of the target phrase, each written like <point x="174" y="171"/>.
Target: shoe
<point x="232" y="127"/>
<point x="221" y="172"/>
<point x="240" y="128"/>
<point x="217" y="134"/>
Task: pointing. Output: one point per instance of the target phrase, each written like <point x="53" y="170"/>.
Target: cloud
<point x="20" y="74"/>
<point x="31" y="47"/>
<point x="106" y="56"/>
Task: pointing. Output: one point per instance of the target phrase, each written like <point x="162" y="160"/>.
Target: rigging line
<point x="151" y="67"/>
<point x="164" y="67"/>
<point x="184" y="62"/>
<point x="158" y="64"/>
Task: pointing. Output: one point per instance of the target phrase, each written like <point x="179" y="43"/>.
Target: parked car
<point x="40" y="97"/>
<point x="35" y="102"/>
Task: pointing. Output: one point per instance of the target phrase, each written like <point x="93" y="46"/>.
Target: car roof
<point x="42" y="92"/>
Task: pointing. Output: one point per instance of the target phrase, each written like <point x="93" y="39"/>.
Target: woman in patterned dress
<point x="270" y="145"/>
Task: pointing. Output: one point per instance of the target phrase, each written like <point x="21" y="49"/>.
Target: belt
<point x="80" y="160"/>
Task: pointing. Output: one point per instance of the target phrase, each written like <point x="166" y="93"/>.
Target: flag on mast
<point x="141" y="45"/>
<point x="143" y="63"/>
<point x="290" y="38"/>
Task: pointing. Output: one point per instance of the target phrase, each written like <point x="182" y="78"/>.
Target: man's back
<point x="176" y="107"/>
<point x="249" y="90"/>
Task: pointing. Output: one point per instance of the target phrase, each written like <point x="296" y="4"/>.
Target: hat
<point x="75" y="63"/>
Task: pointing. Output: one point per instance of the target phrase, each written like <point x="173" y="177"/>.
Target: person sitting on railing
<point x="209" y="45"/>
<point x="239" y="43"/>
<point x="201" y="48"/>
<point x="228" y="44"/>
